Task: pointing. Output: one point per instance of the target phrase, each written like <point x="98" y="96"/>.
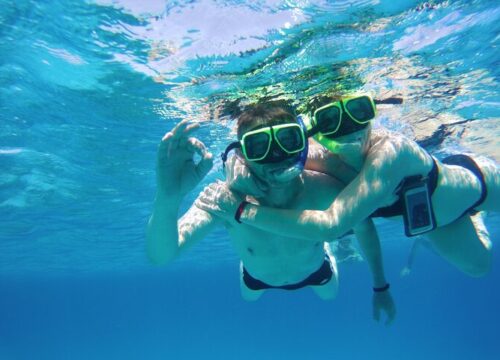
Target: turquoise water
<point x="89" y="87"/>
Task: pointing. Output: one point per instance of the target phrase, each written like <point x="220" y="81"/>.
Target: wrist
<point x="239" y="211"/>
<point x="379" y="281"/>
<point x="382" y="288"/>
<point x="166" y="202"/>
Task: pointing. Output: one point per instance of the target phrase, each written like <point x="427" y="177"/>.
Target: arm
<point x="411" y="257"/>
<point x="369" y="242"/>
<point x="319" y="159"/>
<point x="356" y="202"/>
<point x="322" y="160"/>
<point x="167" y="236"/>
<point x="177" y="174"/>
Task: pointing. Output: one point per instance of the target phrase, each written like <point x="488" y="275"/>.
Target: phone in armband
<point x="418" y="214"/>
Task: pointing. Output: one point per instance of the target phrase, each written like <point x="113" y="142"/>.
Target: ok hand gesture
<point x="177" y="173"/>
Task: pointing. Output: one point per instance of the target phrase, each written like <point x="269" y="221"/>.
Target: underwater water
<point x="87" y="90"/>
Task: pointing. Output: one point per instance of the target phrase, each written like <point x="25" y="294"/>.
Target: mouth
<point x="283" y="166"/>
<point x="285" y="172"/>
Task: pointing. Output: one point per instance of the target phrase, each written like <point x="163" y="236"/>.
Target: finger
<point x="203" y="205"/>
<point x="191" y="127"/>
<point x="390" y="319"/>
<point x="166" y="145"/>
<point x="205" y="165"/>
<point x="376" y="313"/>
<point x="195" y="145"/>
<point x="179" y="128"/>
<point x="391" y="315"/>
<point x="208" y="191"/>
<point x="187" y="130"/>
<point x="167" y="136"/>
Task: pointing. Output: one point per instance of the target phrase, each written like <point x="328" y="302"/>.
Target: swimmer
<point x="378" y="166"/>
<point x="273" y="145"/>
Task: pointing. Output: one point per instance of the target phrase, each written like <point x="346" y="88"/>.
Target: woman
<point x="388" y="175"/>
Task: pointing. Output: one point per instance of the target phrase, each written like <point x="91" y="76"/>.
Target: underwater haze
<point x="87" y="90"/>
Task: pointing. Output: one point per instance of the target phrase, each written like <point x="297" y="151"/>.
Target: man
<point x="273" y="144"/>
<point x="394" y="177"/>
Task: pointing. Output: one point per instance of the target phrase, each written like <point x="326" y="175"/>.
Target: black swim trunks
<point x="319" y="277"/>
<point x="468" y="163"/>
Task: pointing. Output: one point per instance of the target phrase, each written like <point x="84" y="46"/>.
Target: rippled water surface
<point x="87" y="89"/>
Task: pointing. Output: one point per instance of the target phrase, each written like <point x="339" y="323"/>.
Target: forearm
<point x="369" y="243"/>
<point x="311" y="225"/>
<point x="349" y="208"/>
<point x="162" y="231"/>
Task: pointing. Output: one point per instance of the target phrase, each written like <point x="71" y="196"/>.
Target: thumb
<point x="205" y="164"/>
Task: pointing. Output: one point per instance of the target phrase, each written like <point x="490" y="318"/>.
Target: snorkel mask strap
<point x="303" y="153"/>
<point x="232" y="146"/>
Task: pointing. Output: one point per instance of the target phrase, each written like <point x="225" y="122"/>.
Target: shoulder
<point x="391" y="151"/>
<point x="319" y="180"/>
<point x="320" y="187"/>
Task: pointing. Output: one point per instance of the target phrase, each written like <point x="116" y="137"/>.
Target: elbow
<point x="159" y="257"/>
<point x="480" y="267"/>
<point x="326" y="227"/>
<point x="328" y="233"/>
<point x="157" y="252"/>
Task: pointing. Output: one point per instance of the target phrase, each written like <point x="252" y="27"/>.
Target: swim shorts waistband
<point x="320" y="277"/>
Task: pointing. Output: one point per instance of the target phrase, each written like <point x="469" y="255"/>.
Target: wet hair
<point x="264" y="114"/>
<point x="318" y="101"/>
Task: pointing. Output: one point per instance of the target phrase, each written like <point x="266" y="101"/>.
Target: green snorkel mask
<point x="340" y="118"/>
<point x="272" y="144"/>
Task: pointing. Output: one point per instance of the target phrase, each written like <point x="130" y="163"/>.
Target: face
<point x="354" y="143"/>
<point x="275" y="173"/>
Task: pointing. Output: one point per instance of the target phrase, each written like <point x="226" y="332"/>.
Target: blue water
<point x="87" y="89"/>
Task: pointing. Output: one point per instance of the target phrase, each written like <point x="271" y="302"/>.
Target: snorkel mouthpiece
<point x="296" y="169"/>
<point x="329" y="144"/>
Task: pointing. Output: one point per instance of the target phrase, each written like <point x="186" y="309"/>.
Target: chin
<point x="282" y="176"/>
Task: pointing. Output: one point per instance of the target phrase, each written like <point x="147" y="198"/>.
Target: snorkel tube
<point x="303" y="154"/>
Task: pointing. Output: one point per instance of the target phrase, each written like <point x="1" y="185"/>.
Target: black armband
<point x="239" y="210"/>
<point x="382" y="288"/>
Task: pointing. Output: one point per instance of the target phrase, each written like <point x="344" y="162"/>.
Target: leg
<point x="491" y="174"/>
<point x="330" y="289"/>
<point x="465" y="243"/>
<point x="246" y="293"/>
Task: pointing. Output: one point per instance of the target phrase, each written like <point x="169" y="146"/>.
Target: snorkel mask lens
<point x="361" y="109"/>
<point x="328" y="118"/>
<point x="291" y="139"/>
<point x="273" y="143"/>
<point x="345" y="116"/>
<point x="256" y="146"/>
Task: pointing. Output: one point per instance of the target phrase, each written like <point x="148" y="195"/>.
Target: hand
<point x="405" y="271"/>
<point x="382" y="301"/>
<point x="177" y="174"/>
<point x="219" y="200"/>
<point x="239" y="178"/>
